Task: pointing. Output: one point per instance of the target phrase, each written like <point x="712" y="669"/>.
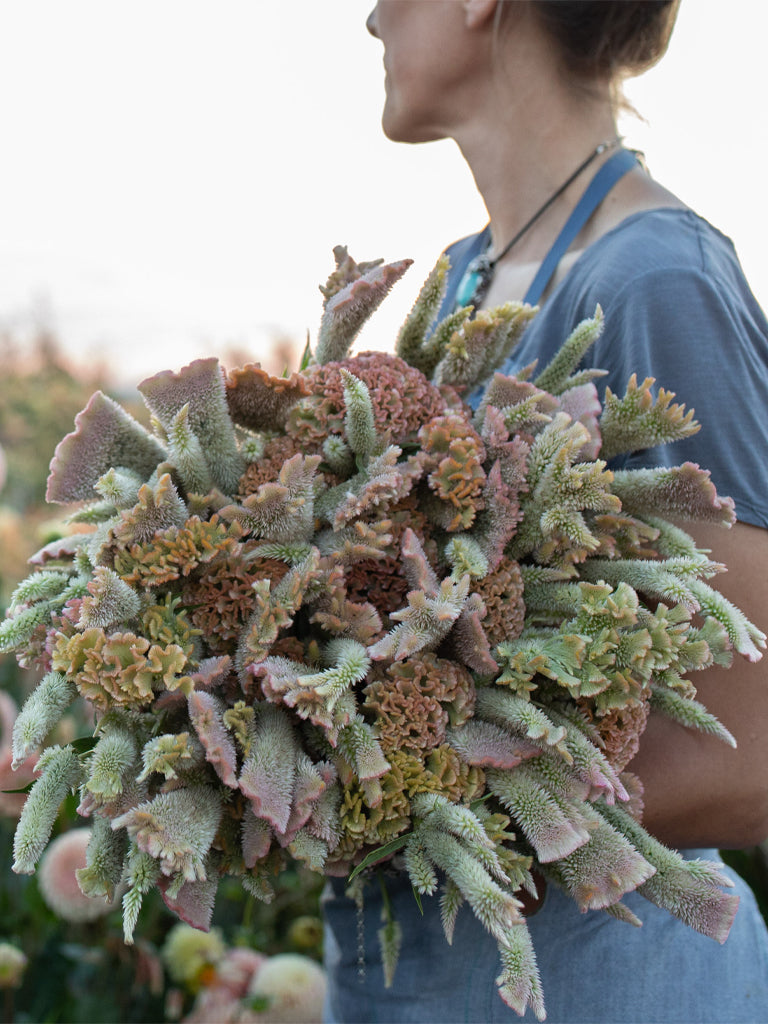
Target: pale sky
<point x="175" y="173"/>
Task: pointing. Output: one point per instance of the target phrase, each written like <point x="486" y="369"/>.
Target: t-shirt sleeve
<point x="705" y="339"/>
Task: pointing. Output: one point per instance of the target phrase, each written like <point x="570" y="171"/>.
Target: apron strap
<point x="602" y="183"/>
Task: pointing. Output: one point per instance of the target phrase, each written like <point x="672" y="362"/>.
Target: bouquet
<point x="345" y="617"/>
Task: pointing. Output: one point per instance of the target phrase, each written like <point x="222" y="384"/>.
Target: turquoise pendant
<point x="467" y="288"/>
<point x="474" y="284"/>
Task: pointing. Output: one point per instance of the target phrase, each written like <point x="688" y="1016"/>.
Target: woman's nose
<point x="370" y="24"/>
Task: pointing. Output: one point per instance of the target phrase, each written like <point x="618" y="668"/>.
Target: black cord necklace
<point x="481" y="269"/>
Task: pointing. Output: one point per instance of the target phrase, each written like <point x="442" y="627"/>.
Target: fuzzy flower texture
<point x="341" y="616"/>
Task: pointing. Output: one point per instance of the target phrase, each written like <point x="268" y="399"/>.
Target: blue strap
<point x="602" y="183"/>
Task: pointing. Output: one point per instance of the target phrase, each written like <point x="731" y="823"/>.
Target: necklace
<point x="481" y="269"/>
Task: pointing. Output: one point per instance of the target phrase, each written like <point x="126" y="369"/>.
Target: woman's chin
<point x="400" y="129"/>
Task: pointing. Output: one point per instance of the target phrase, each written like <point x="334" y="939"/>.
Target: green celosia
<point x="42" y="710"/>
<point x="341" y="617"/>
<point x="61" y="773"/>
<point x="104" y="857"/>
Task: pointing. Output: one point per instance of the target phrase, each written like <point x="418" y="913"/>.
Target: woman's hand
<point x="699" y="792"/>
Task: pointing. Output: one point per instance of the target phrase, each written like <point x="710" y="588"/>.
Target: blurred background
<point x="176" y="173"/>
<point x="174" y="177"/>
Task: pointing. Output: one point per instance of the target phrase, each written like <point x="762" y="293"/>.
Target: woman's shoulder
<point x="657" y="242"/>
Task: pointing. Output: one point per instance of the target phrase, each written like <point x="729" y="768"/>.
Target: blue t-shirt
<point x="678" y="308"/>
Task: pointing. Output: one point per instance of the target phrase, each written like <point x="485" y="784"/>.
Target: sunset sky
<point x="175" y="173"/>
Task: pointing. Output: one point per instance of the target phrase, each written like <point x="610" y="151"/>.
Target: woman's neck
<point x="517" y="172"/>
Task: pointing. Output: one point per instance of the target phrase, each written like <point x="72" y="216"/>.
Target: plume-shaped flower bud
<point x="40" y="586"/>
<point x="18" y="629"/>
<point x="465" y="555"/>
<point x="186" y="454"/>
<point x="119" y="487"/>
<point x="390" y="937"/>
<point x="42" y="710"/>
<point x="358" y="420"/>
<point x="420" y="869"/>
<point x="346" y="312"/>
<point x="495" y="908"/>
<point x="424" y="623"/>
<point x="689" y="889"/>
<point x="451" y="900"/>
<point x="413" y="333"/>
<point x="481" y="344"/>
<point x="111" y="761"/>
<point x="746" y="638"/>
<point x="556" y="376"/>
<point x="598" y="873"/>
<point x="688" y="712"/>
<point x="109" y="601"/>
<point x="61" y="773"/>
<point x="142" y="872"/>
<point x="636" y="421"/>
<point x="519" y="982"/>
<point x="361" y="749"/>
<point x="553" y="827"/>
<point x="104" y="857"/>
<point x="521" y="716"/>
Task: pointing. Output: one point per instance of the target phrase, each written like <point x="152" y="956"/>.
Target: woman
<point x="529" y="91"/>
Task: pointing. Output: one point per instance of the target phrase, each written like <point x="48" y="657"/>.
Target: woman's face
<point x="428" y="58"/>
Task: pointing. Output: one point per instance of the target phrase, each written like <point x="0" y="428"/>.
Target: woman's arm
<point x="699" y="792"/>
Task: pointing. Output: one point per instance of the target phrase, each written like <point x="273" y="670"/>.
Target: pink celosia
<point x="58" y="881"/>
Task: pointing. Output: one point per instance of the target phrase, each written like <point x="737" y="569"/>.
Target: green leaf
<point x="379" y="854"/>
<point x="417" y="897"/>
<point x="84" y="745"/>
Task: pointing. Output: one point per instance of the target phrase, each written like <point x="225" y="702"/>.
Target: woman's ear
<point x="478" y="13"/>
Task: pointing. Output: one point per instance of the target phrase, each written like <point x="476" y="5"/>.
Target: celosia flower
<point x="403" y="400"/>
<point x="502" y="594"/>
<point x="326" y="614"/>
<point x="57" y="878"/>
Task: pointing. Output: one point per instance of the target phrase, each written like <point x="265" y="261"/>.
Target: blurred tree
<point x="39" y="399"/>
